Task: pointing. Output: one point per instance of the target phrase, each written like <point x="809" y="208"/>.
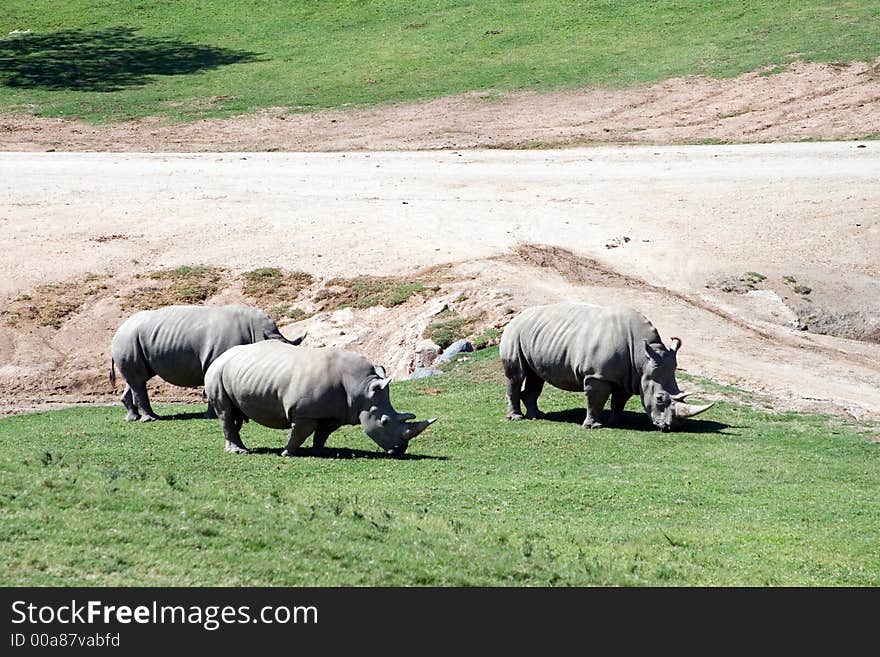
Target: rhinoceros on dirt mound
<point x="177" y="344"/>
<point x="307" y="391"/>
<point x="603" y="351"/>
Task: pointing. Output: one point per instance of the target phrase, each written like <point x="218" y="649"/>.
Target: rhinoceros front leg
<point x="597" y="393"/>
<point x="210" y="414"/>
<point x="299" y="431"/>
<point x="514" y="392"/>
<point x="142" y="401"/>
<point x="618" y="401"/>
<point x="128" y="402"/>
<point x="322" y="432"/>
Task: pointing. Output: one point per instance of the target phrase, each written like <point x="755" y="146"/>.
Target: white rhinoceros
<point x="306" y="391"/>
<point x="177" y="344"/>
<point x="603" y="352"/>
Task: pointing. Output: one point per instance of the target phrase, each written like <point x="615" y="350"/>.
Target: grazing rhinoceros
<point x="601" y="351"/>
<point x="178" y="343"/>
<point x="307" y="391"/>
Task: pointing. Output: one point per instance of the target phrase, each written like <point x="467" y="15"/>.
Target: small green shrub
<point x="448" y="327"/>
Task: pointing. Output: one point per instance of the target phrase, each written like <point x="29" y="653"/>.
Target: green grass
<point x="117" y="60"/>
<point x="745" y="498"/>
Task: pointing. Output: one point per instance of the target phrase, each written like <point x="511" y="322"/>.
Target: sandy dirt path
<point x="678" y="218"/>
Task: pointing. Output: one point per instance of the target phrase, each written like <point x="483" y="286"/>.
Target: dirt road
<point x="682" y="219"/>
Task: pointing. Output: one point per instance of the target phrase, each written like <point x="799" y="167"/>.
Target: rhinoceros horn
<point x="414" y="429"/>
<point x="684" y="411"/>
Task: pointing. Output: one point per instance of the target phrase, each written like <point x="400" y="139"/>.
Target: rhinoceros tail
<point x="112" y="373"/>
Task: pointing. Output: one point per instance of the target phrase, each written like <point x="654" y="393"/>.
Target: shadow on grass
<point x="346" y="453"/>
<point x="191" y="415"/>
<point x="104" y="60"/>
<point x="633" y="421"/>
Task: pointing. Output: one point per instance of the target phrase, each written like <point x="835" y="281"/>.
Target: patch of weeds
<point x="284" y="311"/>
<point x="51" y="304"/>
<point x="190" y="284"/>
<point x="448" y="327"/>
<point x="791" y="280"/>
<point x="751" y="279"/>
<point x="488" y="338"/>
<point x="803" y="290"/>
<point x="270" y="284"/>
<point x="367" y="292"/>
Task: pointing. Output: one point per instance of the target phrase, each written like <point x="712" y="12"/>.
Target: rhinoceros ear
<point x="377" y="385"/>
<point x="675" y="345"/>
<point x="650" y="353"/>
<point x="298" y="338"/>
<point x="379" y="370"/>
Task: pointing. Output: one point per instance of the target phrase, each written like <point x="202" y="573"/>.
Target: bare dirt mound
<point x="723" y="246"/>
<point x="803" y="101"/>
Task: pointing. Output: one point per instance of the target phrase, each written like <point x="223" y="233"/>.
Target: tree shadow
<point x="346" y="453"/>
<point x="104" y="60"/>
<point x="633" y="421"/>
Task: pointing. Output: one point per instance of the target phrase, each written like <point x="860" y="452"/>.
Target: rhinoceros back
<point x="272" y="382"/>
<point x="567" y="343"/>
<point x="179" y="343"/>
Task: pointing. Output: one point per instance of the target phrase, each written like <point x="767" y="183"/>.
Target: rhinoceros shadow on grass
<point x="345" y="453"/>
<point x="189" y="415"/>
<point x="636" y="421"/>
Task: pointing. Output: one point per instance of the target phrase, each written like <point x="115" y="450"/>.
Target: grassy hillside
<point x="744" y="497"/>
<point x="119" y="59"/>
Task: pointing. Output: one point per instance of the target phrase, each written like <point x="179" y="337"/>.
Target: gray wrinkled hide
<point x="307" y="391"/>
<point x="603" y="351"/>
<point x="178" y="344"/>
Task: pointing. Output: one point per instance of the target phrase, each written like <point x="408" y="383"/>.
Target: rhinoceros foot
<point x="286" y="453"/>
<point x="592" y="424"/>
<point x="132" y="417"/>
<point x="515" y="416"/>
<point x="232" y="448"/>
<point x="149" y="418"/>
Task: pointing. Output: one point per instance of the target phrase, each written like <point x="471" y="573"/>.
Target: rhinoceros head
<point x="661" y="397"/>
<point x="388" y="428"/>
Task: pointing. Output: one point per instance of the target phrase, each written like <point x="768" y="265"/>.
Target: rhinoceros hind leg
<point x="210" y="413"/>
<point x="231" y="422"/>
<point x="515" y="378"/>
<point x="142" y="401"/>
<point x="597" y="393"/>
<point x="531" y="391"/>
<point x="129" y="405"/>
<point x="299" y="431"/>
